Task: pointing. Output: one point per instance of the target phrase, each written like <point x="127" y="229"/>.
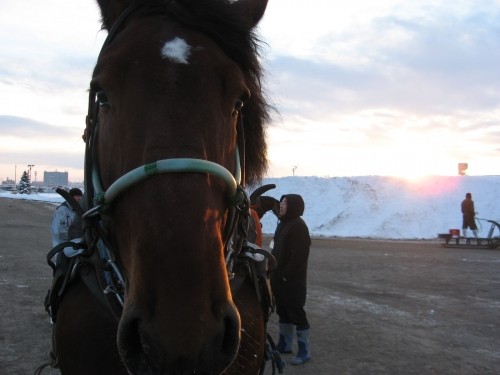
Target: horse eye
<point x="102" y="99"/>
<point x="239" y="105"/>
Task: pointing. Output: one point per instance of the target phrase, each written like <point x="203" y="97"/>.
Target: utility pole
<point x="293" y="170"/>
<point x="29" y="170"/>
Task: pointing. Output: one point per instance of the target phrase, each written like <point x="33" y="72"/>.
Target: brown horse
<point x="167" y="157"/>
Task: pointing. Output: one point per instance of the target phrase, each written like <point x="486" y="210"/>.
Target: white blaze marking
<point x="176" y="50"/>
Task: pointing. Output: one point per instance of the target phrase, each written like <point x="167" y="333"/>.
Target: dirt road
<point x="24" y="279"/>
<point x="375" y="307"/>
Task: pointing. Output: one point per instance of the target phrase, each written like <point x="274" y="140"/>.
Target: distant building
<point x="8" y="181"/>
<point x="8" y="184"/>
<point x="53" y="179"/>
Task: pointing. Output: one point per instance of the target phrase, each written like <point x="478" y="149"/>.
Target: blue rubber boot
<point x="286" y="338"/>
<point x="304" y="353"/>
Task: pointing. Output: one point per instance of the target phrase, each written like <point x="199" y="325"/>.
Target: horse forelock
<point x="229" y="28"/>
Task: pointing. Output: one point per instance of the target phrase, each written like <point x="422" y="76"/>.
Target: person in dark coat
<point x="469" y="215"/>
<point x="290" y="247"/>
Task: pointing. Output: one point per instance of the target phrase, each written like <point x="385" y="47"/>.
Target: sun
<point x="411" y="169"/>
<point x="414" y="155"/>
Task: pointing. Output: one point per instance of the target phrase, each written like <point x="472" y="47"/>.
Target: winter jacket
<point x="291" y="250"/>
<point x="468" y="207"/>
<point x="469" y="213"/>
<point x="61" y="222"/>
<point x="254" y="228"/>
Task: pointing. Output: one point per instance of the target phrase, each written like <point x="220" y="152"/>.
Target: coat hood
<point x="295" y="206"/>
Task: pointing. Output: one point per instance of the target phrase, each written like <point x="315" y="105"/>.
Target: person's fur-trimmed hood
<point x="295" y="206"/>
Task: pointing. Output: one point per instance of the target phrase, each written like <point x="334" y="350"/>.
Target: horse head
<point x="172" y="82"/>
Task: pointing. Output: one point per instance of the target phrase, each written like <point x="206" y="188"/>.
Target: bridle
<point x="98" y="201"/>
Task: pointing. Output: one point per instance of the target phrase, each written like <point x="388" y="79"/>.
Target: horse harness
<point x="93" y="259"/>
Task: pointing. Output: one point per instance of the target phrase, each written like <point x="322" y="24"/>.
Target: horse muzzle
<point x="205" y="346"/>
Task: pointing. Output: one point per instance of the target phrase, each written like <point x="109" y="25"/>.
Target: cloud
<point x="433" y="63"/>
<point x="363" y="77"/>
<point x="26" y="141"/>
<point x="25" y="128"/>
<point x="53" y="159"/>
<point x="44" y="55"/>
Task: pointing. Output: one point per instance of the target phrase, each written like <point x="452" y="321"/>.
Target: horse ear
<point x="251" y="10"/>
<point x="111" y="10"/>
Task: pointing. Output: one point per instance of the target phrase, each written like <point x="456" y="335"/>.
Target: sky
<point x="362" y="87"/>
<point x="378" y="207"/>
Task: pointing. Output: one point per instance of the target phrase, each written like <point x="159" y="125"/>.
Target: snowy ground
<point x="375" y="206"/>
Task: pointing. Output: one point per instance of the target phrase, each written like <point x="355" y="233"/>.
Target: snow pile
<point x="376" y="207"/>
<point x="387" y="207"/>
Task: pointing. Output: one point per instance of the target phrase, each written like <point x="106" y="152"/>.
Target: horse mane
<point x="238" y="40"/>
<point x="232" y="32"/>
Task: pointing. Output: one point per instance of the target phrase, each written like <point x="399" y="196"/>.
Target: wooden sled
<point x="489" y="242"/>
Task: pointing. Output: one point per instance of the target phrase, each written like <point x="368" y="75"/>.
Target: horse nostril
<point x="228" y="339"/>
<point x="231" y="334"/>
<point x="130" y="347"/>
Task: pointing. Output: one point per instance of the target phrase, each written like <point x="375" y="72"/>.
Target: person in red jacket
<point x="291" y="245"/>
<point x="254" y="228"/>
<point x="258" y="209"/>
